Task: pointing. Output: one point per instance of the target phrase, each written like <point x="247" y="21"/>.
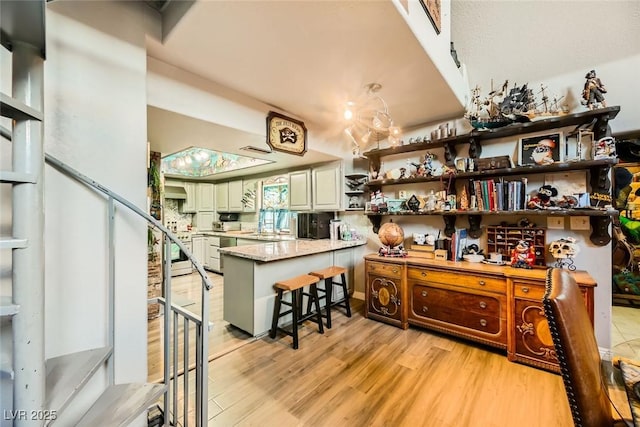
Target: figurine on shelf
<point x="542" y="200"/>
<point x="563" y="251"/>
<point x="592" y="95"/>
<point x="464" y="199"/>
<point x="523" y="255"/>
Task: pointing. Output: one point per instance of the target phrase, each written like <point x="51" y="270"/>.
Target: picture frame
<point x="541" y="149"/>
<point x="286" y="134"/>
<point x="433" y="9"/>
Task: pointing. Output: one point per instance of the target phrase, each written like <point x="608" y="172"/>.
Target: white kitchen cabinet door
<point x="249" y="193"/>
<point x="204" y="221"/>
<point x="197" y="247"/>
<point x="189" y="204"/>
<point x="326" y="184"/>
<point x="222" y="197"/>
<point x="235" y="196"/>
<point x="205" y="197"/>
<point x="300" y="190"/>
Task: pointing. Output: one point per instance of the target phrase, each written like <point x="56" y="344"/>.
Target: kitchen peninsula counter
<point x="276" y="251"/>
<point x="251" y="271"/>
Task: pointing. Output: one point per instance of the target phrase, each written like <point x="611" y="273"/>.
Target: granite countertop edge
<point x="276" y="251"/>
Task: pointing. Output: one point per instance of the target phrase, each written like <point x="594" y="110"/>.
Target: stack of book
<point x="499" y="195"/>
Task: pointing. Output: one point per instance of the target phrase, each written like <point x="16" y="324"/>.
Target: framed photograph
<point x="433" y="10"/>
<point x="541" y="149"/>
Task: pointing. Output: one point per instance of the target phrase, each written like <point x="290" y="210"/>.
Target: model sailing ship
<point x="502" y="107"/>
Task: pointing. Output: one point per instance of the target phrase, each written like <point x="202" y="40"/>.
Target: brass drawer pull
<point x="425" y="308"/>
<point x="483" y="322"/>
<point x="424" y="293"/>
<point x="525" y="290"/>
<point x="394" y="271"/>
<point x="482" y="283"/>
<point x="483" y="304"/>
<point x="423" y="274"/>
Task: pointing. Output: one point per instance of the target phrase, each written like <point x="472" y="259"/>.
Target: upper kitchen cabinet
<point x="229" y="196"/>
<point x="205" y="197"/>
<point x="235" y="196"/>
<point x="222" y="197"/>
<point x="300" y="190"/>
<point x="327" y="187"/>
<point x="189" y="204"/>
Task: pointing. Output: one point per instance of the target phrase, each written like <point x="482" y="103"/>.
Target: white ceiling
<point x="307" y="58"/>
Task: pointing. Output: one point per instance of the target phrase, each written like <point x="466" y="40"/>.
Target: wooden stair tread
<point x="120" y="404"/>
<point x="67" y="374"/>
<point x="329" y="272"/>
<point x="297" y="282"/>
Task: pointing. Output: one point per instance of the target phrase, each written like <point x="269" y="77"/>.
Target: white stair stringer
<point x="68" y="374"/>
<point x="121" y="404"/>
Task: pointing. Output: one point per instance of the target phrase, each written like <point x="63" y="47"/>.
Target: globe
<point x="391" y="234"/>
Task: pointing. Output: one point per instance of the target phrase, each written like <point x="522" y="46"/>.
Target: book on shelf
<point x="500" y="195"/>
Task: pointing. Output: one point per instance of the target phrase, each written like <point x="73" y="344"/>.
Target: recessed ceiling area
<point x="169" y="132"/>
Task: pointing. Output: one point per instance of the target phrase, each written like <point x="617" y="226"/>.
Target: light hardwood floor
<point x="366" y="373"/>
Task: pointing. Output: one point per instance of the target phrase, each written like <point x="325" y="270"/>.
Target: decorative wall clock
<point x="286" y="134"/>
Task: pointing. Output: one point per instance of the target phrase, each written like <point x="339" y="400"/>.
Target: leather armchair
<point x="583" y="373"/>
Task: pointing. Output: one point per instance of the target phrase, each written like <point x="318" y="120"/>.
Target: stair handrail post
<point x="166" y="354"/>
<point x="28" y="223"/>
<point x="204" y="359"/>
<point x="111" y="214"/>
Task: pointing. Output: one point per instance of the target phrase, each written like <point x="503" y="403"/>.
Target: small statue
<point x="563" y="251"/>
<point x="592" y="94"/>
<point x="542" y="199"/>
<point x="464" y="199"/>
<point x="523" y="255"/>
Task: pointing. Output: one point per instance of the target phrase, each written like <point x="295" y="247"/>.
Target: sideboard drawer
<point x="528" y="290"/>
<point x="386" y="269"/>
<point x="428" y="296"/>
<point x="474" y="281"/>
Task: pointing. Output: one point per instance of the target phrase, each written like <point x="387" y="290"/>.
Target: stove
<point x="180" y="264"/>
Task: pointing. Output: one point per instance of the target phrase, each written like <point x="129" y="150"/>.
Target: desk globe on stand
<point x="391" y="236"/>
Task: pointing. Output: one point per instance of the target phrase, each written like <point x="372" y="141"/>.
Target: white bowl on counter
<point x="473" y="258"/>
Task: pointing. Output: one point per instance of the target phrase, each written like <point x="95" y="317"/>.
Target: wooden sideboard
<point x="496" y="306"/>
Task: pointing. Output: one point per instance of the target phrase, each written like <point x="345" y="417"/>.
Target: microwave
<point x="314" y="225"/>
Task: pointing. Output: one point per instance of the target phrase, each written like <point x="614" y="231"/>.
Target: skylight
<point x="199" y="162"/>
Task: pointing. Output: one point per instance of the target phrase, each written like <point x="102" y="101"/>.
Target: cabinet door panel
<point x="222" y="197"/>
<point x="300" y="190"/>
<point x="235" y="196"/>
<point x="327" y="187"/>
<point x="384" y="297"/>
<point x="205" y="197"/>
<point x="532" y="334"/>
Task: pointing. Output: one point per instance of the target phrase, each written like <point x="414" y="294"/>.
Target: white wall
<point x="95" y="109"/>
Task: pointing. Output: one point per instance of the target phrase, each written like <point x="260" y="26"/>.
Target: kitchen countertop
<point x="245" y="235"/>
<point x="274" y="251"/>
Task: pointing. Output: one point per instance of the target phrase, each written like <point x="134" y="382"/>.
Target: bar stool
<point x="328" y="274"/>
<point x="296" y="287"/>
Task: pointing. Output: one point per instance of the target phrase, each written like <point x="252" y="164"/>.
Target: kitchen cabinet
<point x="493" y="305"/>
<point x="235" y="196"/>
<point x="222" y="197"/>
<point x="212" y="254"/>
<point x="598" y="171"/>
<point x="204" y="221"/>
<point x="197" y="247"/>
<point x="326" y="187"/>
<point x="205" y="201"/>
<point x="189" y="204"/>
<point x="229" y="196"/>
<point x="300" y="190"/>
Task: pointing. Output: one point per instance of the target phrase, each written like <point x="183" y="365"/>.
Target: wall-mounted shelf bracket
<point x="475" y="149"/>
<point x="450" y="152"/>
<point x="474" y="226"/>
<point x="376" y="220"/>
<point x="600" y="230"/>
<point x="449" y="224"/>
